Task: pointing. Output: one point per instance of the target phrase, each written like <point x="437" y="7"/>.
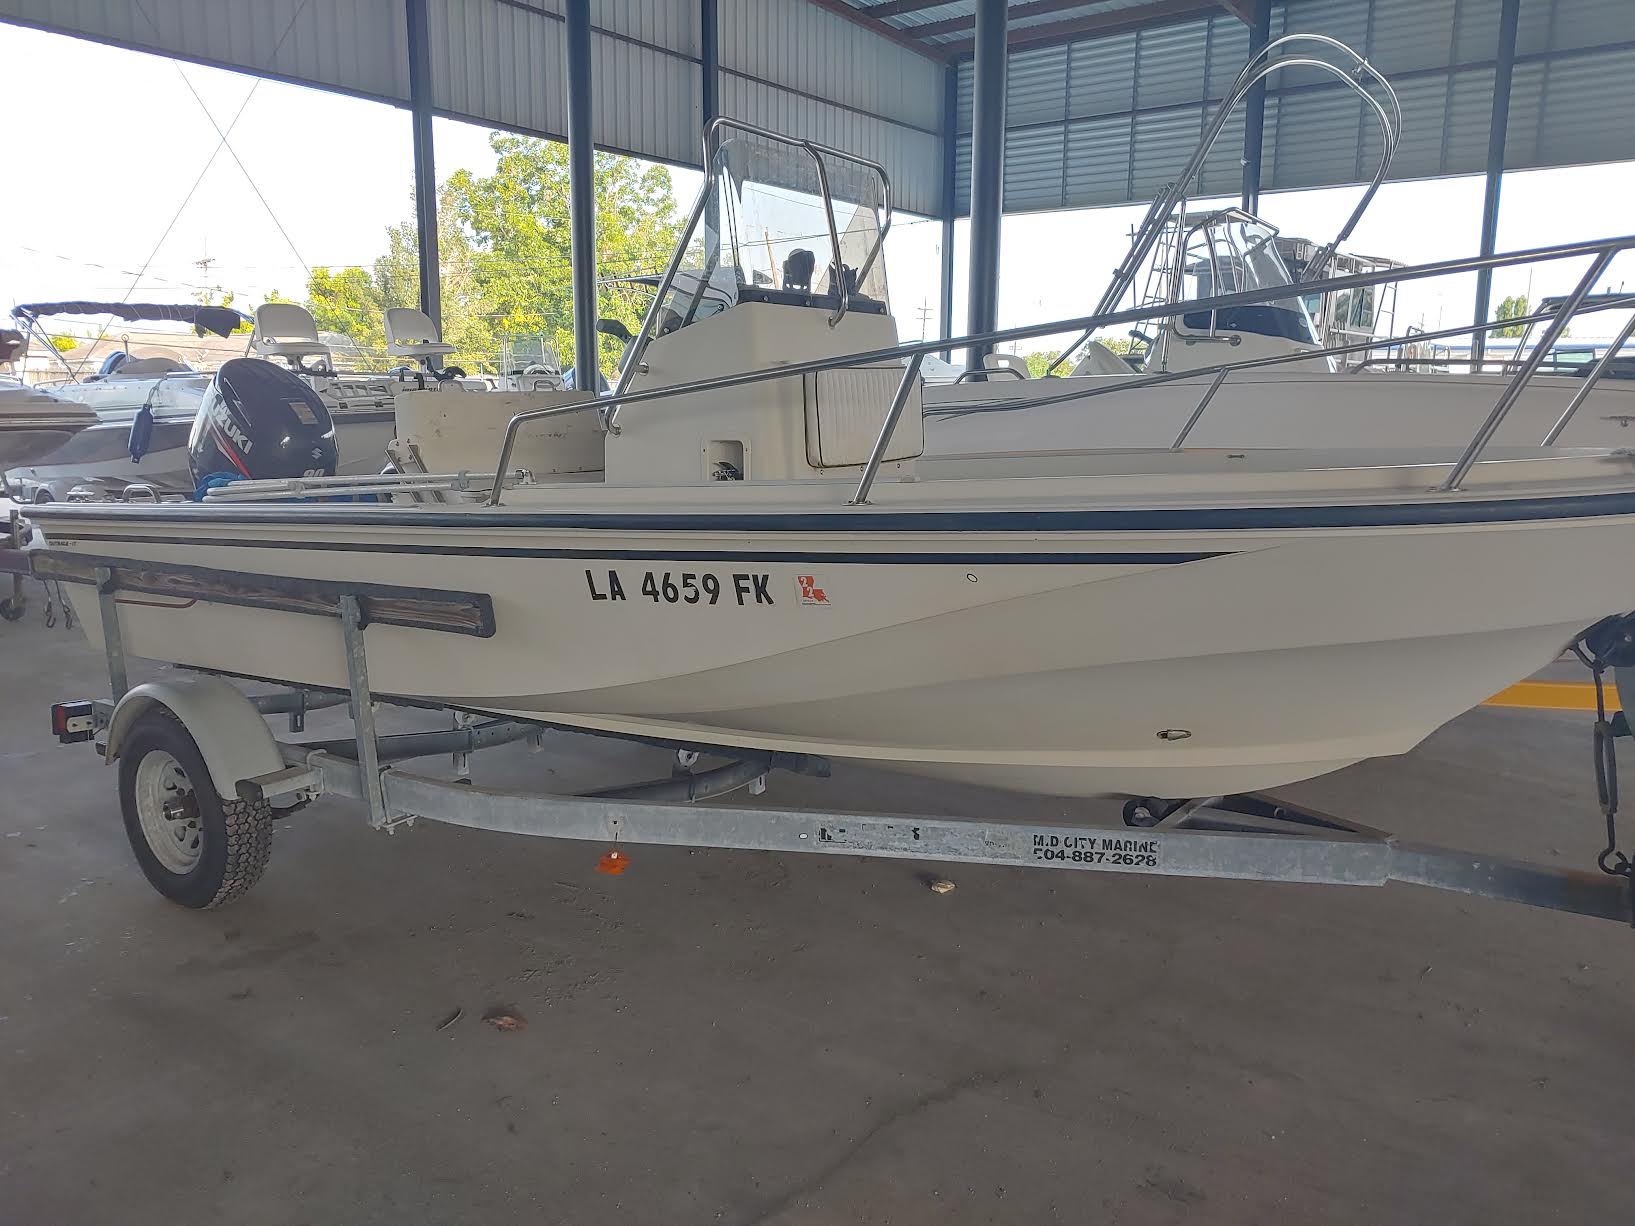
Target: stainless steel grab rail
<point x="1552" y="333"/>
<point x="1336" y="350"/>
<point x="1603" y="248"/>
<point x="1591" y="378"/>
<point x="1113" y="386"/>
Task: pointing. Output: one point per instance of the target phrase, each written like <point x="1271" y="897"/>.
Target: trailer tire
<point x="196" y="848"/>
<point x="11" y="609"/>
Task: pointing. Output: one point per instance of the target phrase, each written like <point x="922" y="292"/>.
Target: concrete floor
<point x="749" y="1038"/>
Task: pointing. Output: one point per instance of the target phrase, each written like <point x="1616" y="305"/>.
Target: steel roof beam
<point x="896" y="8"/>
<point x="885" y="30"/>
<point x="1146" y="16"/>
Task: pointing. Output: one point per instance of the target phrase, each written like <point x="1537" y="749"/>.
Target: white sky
<point x="102" y="188"/>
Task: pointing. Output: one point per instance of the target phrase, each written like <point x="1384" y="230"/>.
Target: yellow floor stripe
<point x="1548" y="696"/>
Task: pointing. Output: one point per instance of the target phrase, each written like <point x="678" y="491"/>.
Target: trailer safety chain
<point x="1611" y="861"/>
<point x="54" y="600"/>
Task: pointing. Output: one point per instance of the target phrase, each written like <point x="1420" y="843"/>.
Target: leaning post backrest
<point x="284" y="321"/>
<point x="408" y="326"/>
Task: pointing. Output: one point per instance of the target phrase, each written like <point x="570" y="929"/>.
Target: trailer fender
<point x="232" y="736"/>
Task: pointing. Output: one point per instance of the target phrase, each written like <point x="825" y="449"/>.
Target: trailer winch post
<point x="112" y="640"/>
<point x="363" y="709"/>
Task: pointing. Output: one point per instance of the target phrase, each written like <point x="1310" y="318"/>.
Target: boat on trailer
<point x="760" y="562"/>
<point x="762" y="567"/>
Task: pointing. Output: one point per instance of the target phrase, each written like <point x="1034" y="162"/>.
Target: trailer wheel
<point x="195" y="848"/>
<point x="12" y="608"/>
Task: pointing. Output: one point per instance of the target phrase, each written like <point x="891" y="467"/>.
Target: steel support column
<point x="709" y="67"/>
<point x="950" y="148"/>
<point x="709" y="58"/>
<point x="582" y="196"/>
<point x="987" y="170"/>
<point x="1254" y="109"/>
<point x="425" y="163"/>
<point x="1498" y="128"/>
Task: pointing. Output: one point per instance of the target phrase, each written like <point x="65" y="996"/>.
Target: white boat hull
<point x="1172" y="653"/>
<point x="34" y="423"/>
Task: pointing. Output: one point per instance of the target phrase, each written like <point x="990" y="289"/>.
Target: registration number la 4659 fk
<point x="681" y="586"/>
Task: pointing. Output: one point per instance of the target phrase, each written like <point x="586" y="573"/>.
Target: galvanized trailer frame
<point x="1245" y="837"/>
<point x="14" y="561"/>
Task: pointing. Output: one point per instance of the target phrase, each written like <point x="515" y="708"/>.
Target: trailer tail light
<point x="72" y="722"/>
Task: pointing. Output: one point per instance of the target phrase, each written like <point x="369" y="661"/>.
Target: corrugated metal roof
<point x="357" y="46"/>
<point x="946" y="27"/>
<point x="794" y="67"/>
<point x="1129" y="108"/>
<point x="787" y="64"/>
<point x="1091" y="120"/>
<point x="1133" y="104"/>
<point x="485" y="64"/>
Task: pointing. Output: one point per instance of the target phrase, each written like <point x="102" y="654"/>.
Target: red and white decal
<point x="811" y="591"/>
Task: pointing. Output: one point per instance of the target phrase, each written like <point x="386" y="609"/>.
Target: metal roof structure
<point x="785" y="64"/>
<point x="1110" y="119"/>
<point x="1103" y="96"/>
<point x="946" y="29"/>
<point x="1088" y="102"/>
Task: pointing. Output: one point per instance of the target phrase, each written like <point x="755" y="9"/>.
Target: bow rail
<point x="1601" y="253"/>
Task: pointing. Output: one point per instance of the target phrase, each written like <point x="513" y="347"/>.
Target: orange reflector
<point x="613" y="862"/>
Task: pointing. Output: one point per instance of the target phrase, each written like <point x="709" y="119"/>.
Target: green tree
<point x="64" y="344"/>
<point x="1513" y="307"/>
<point x="1038" y="363"/>
<point x="348" y="301"/>
<point x="504" y="249"/>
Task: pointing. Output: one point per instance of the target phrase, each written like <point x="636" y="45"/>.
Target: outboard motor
<point x="259" y="421"/>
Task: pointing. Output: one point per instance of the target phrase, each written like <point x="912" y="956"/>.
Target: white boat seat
<point x="1100" y="360"/>
<point x="287" y="330"/>
<point x="411" y="334"/>
<point x="1006" y="361"/>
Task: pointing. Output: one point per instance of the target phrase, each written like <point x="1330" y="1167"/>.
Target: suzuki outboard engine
<point x="260" y="421"/>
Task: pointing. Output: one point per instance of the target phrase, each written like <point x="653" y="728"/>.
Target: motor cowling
<point x="261" y="422"/>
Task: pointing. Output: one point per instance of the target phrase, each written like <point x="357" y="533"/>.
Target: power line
<point x="233" y="153"/>
<point x="209" y="162"/>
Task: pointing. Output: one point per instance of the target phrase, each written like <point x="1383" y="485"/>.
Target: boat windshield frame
<point x="715" y="140"/>
<point x="1256" y="266"/>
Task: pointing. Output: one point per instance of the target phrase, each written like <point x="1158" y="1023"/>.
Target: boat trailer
<point x="202" y="777"/>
